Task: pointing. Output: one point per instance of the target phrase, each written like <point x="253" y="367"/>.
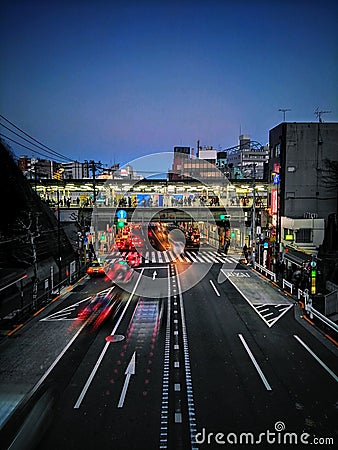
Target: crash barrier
<point x="288" y="284"/>
<point x="331" y="303"/>
<point x="266" y="271"/>
<point x="312" y="312"/>
<point x="25" y="303"/>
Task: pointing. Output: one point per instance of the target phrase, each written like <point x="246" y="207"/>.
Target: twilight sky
<point x="115" y="80"/>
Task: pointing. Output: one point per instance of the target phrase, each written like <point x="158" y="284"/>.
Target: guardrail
<point x="266" y="271"/>
<point x="288" y="284"/>
<point x="311" y="311"/>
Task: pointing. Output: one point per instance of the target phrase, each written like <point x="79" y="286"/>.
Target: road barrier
<point x="288" y="284"/>
<point x="312" y="312"/>
<point x="266" y="271"/>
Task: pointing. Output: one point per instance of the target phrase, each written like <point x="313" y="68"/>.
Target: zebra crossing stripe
<point x="191" y="256"/>
<point x="159" y="255"/>
<point x="165" y="254"/>
<point x="202" y="255"/>
<point x="172" y="256"/>
<point x="213" y="256"/>
<point x="169" y="256"/>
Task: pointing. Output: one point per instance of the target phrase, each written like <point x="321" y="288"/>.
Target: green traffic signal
<point x="120" y="224"/>
<point x="222" y="216"/>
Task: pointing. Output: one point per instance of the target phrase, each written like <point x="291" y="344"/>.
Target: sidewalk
<point x="329" y="333"/>
<point x="25" y="360"/>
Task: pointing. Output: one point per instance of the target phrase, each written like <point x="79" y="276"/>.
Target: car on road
<point x="120" y="272"/>
<point x="96" y="268"/>
<point x="100" y="307"/>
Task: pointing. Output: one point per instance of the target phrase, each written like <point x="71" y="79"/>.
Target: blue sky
<point x="116" y="80"/>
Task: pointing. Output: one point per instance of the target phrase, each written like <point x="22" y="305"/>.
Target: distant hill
<point x="23" y="215"/>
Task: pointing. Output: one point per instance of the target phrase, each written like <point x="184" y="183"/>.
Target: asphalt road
<point x="226" y="361"/>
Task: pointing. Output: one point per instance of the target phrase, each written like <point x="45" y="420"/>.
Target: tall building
<point x="36" y="168"/>
<point x="181" y="154"/>
<point x="301" y="195"/>
<point x="75" y="170"/>
<point x="248" y="158"/>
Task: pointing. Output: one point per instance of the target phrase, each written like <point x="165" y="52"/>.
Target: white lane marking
<point x="178" y="418"/>
<point x="105" y="348"/>
<point x="215" y="289"/>
<point x="333" y="375"/>
<point x="255" y="363"/>
<point x="131" y="369"/>
<point x="244" y="296"/>
<point x="188" y="381"/>
<point x="63" y="313"/>
<point x="165" y="385"/>
<point x="45" y="375"/>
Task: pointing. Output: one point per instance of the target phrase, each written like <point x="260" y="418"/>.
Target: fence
<point x="266" y="271"/>
<point x="20" y="303"/>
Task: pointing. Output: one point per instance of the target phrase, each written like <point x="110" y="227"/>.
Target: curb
<point x="63" y="291"/>
<point x="301" y="304"/>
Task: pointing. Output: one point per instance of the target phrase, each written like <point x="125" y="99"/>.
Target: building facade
<point x="301" y="195"/>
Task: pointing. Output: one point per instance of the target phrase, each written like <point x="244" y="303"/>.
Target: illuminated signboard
<point x="274" y="206"/>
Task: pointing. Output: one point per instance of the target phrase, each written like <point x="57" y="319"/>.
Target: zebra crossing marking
<point x="166" y="257"/>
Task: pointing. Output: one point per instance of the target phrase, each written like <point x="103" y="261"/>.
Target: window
<point x="304" y="235"/>
<point x="277" y="151"/>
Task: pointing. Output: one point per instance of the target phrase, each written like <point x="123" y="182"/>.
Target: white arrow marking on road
<point x="154" y="274"/>
<point x="130" y="370"/>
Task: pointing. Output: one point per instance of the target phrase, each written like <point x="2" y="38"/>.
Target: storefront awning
<point x="297" y="257"/>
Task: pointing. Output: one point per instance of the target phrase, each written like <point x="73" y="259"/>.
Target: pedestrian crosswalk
<point x="166" y="257"/>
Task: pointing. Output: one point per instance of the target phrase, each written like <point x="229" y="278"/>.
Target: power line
<point x="53" y="152"/>
<point x="27" y="140"/>
<point x="22" y="145"/>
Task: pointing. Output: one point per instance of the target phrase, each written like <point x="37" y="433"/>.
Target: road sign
<point x="121" y="214"/>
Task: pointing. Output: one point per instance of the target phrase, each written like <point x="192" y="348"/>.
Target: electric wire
<point x="48" y="149"/>
<point x="22" y="145"/>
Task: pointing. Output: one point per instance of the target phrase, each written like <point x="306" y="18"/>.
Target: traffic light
<point x="120" y="223"/>
<point x="222" y="217"/>
<point x="313" y="276"/>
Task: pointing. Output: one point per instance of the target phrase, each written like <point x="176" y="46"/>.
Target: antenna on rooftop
<point x="283" y="110"/>
<point x="318" y="114"/>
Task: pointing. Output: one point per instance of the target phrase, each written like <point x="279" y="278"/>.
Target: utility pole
<point x="93" y="164"/>
<point x="284" y="110"/>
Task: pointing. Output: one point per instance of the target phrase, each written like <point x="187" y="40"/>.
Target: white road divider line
<point x="255" y="363"/>
<point x="215" y="289"/>
<point x="105" y="348"/>
<point x="333" y="375"/>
